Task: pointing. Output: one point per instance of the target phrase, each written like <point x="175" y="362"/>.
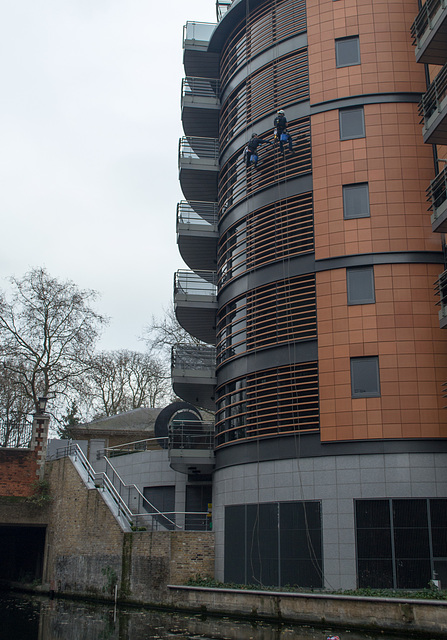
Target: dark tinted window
<point x="365" y="377"/>
<point x="352" y="123"/>
<point x="347" y="51"/>
<point x="356" y="200"/>
<point x="360" y="285"/>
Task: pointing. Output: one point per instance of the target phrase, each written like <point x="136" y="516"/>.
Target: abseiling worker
<point x="281" y="133"/>
<point x="251" y="150"/>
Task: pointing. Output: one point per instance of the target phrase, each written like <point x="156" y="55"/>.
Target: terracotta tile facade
<point x="386" y="52"/>
<point x="397" y="166"/>
<point x="402" y="329"/>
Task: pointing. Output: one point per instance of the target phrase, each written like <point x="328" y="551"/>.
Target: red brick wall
<point x="18" y="468"/>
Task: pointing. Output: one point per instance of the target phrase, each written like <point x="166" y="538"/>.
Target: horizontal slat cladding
<point x="279" y="401"/>
<point x="281" y="230"/>
<point x="269" y="24"/>
<point x="237" y="182"/>
<point x="282" y="312"/>
<point x="277" y="313"/>
<point x="280" y="83"/>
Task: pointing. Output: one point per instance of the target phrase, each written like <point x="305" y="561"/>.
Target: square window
<point x="356" y="200"/>
<point x="360" y="285"/>
<point x="347" y="51"/>
<point x="352" y="123"/>
<point x="365" y="377"/>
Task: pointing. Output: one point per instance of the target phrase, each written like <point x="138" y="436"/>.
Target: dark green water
<point x="26" y="617"/>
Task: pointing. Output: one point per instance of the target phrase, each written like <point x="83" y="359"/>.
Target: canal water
<point x="28" y="617"/>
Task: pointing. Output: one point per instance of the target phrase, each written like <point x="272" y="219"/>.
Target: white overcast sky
<point x="89" y="128"/>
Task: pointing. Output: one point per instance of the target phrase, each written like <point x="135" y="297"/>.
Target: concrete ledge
<point x="418" y="617"/>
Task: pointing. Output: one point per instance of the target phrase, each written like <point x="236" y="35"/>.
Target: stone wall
<point x="18" y="472"/>
<point x="89" y="554"/>
<point x="421" y="618"/>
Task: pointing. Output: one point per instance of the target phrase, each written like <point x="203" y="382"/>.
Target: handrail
<point x="191" y="434"/>
<point x="195" y="357"/>
<point x="198" y="147"/>
<point x="202" y="283"/>
<point x="102" y="480"/>
<point x="200" y="87"/>
<point x="129" y="447"/>
<point x="437" y="191"/>
<point x="195" y="212"/>
<point x="222" y="7"/>
<point x="424" y="19"/>
<point x="197" y="32"/>
<point x="433" y="97"/>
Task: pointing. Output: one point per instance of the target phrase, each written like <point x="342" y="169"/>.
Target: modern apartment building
<point x="312" y="283"/>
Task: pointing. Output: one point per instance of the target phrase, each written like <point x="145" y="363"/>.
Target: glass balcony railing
<point x="222" y="7"/>
<point x="197" y="33"/>
<point x="194" y="148"/>
<point x="200" y="88"/>
<point x="194" y="358"/>
<point x="191" y="434"/>
<point x="197" y="213"/>
<point x="434" y="99"/>
<point x="195" y="283"/>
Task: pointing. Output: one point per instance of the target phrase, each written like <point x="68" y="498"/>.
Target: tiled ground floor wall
<point x="336" y="482"/>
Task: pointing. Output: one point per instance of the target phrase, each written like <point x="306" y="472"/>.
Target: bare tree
<point x="48" y="333"/>
<point x="119" y="381"/>
<point x="164" y="333"/>
<point x="15" y="410"/>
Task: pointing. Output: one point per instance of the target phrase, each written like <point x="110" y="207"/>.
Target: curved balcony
<point x="191" y="446"/>
<point x="433" y="109"/>
<point x="198" y="161"/>
<point x="196" y="59"/>
<point x="193" y="371"/>
<point x="437" y="196"/>
<point x="195" y="303"/>
<point x="197" y="234"/>
<point x="441" y="291"/>
<point x="200" y="107"/>
<point x="429" y="32"/>
<point x="222" y="7"/>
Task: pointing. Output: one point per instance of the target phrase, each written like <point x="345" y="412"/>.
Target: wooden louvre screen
<point x="279" y="401"/>
<point x="263" y="27"/>
<point x="284" y="82"/>
<point x="278" y="231"/>
<point x="238" y="182"/>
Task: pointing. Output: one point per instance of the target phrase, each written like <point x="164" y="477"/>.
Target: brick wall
<point x="18" y="472"/>
<point x="88" y="553"/>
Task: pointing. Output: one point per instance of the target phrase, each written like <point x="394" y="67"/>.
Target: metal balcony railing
<point x="195" y="283"/>
<point x="441" y="291"/>
<point x="434" y="96"/>
<point x="193" y="357"/>
<point x="437" y="191"/>
<point x="199" y="148"/>
<point x="424" y="19"/>
<point x="191" y="434"/>
<point x="197" y="33"/>
<point x="193" y="213"/>
<point x="222" y="7"/>
<point x="200" y="88"/>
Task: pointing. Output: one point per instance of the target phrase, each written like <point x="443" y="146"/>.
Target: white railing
<point x="126" y="500"/>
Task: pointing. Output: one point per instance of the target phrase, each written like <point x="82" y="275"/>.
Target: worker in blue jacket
<point x="251" y="150"/>
<point x="281" y="133"/>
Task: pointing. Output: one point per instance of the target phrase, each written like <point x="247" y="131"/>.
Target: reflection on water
<point x="38" y="618"/>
